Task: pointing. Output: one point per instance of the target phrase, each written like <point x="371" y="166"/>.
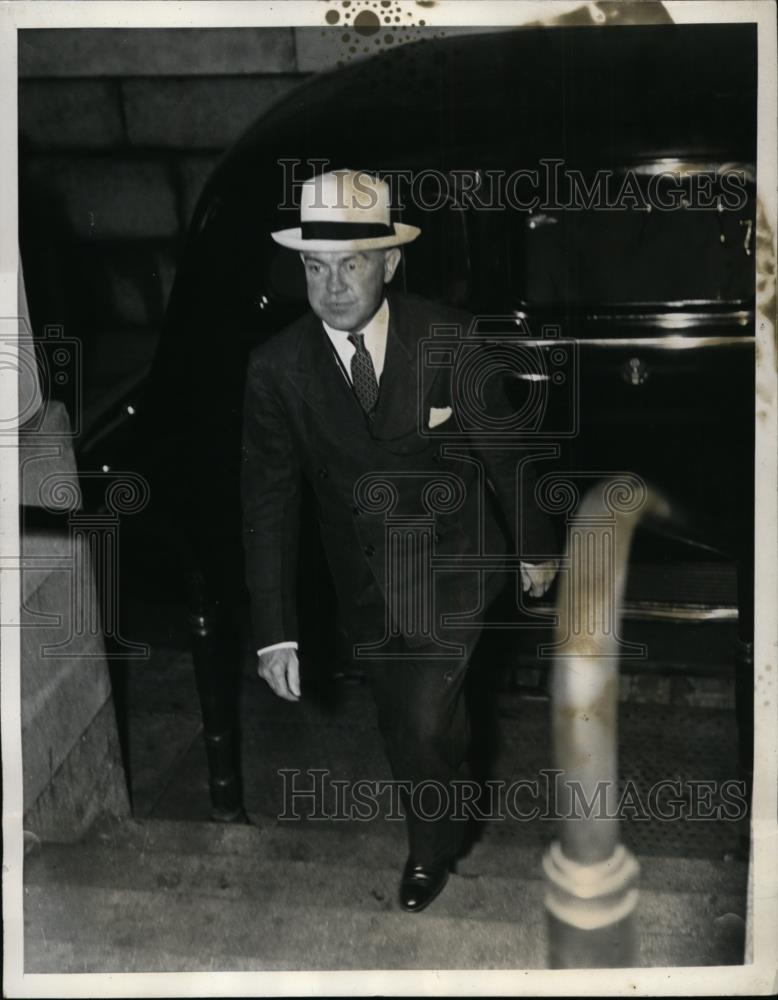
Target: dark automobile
<point x="589" y="193"/>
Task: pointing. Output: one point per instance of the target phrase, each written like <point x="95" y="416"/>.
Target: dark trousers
<point x="422" y="716"/>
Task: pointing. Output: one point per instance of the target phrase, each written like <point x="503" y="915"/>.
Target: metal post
<point x="592" y="878"/>
<point x="216" y="660"/>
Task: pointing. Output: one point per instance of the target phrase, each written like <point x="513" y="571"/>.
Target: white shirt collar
<point x="375" y="330"/>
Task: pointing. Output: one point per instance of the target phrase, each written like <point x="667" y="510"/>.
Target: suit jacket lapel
<point x="400" y="407"/>
<point x="317" y="376"/>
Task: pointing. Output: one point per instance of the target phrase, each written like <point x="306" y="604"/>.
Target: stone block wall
<point x="71" y="761"/>
<point x="118" y="133"/>
<point x="114" y="52"/>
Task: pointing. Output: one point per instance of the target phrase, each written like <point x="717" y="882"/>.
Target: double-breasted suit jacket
<point x="394" y="495"/>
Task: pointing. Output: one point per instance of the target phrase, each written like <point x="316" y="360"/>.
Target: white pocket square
<point x="439" y="415"/>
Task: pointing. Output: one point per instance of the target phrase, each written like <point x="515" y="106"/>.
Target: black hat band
<point x="344" y="230"/>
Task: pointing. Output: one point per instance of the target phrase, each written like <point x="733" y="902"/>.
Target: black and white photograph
<point x="388" y="521"/>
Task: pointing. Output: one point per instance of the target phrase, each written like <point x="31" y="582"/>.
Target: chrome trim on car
<point x="650" y="611"/>
<point x="657" y="611"/>
<point x="673" y="165"/>
<point x="671" y="343"/>
<point x="711" y="307"/>
<point x="675" y="320"/>
<point x="674" y="316"/>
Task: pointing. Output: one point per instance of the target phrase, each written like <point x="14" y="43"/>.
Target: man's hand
<point x="537" y="578"/>
<point x="281" y="669"/>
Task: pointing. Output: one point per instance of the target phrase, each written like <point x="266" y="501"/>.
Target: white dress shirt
<point x="376" y="331"/>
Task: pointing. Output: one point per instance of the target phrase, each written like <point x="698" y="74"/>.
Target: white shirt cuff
<point x="277" y="645"/>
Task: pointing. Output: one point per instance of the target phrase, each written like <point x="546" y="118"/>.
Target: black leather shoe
<point x="420" y="884"/>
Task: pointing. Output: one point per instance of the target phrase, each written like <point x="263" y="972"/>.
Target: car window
<point x="670" y="244"/>
<point x="437" y="264"/>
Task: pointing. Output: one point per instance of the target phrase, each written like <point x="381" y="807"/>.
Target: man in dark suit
<point x="339" y="398"/>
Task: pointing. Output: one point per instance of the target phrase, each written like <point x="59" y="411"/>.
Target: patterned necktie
<point x="363" y="374"/>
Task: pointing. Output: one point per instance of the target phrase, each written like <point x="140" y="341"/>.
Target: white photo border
<point x="759" y="977"/>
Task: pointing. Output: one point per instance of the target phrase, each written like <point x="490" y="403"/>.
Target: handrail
<point x="592" y="878"/>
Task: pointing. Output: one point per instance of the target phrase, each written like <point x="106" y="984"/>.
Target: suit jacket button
<point x="323" y="473"/>
<point x="369" y="550"/>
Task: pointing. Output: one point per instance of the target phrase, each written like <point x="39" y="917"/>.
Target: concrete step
<point x="152" y="896"/>
<point x="382" y="844"/>
<point x="131" y="931"/>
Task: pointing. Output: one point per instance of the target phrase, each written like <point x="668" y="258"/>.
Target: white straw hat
<point x="345" y="210"/>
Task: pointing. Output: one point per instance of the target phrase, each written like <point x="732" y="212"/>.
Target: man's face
<point x="345" y="287"/>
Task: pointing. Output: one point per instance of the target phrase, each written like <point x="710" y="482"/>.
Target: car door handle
<point x="635" y="371"/>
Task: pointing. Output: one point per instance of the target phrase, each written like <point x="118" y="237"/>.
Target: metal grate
<point x="656" y="743"/>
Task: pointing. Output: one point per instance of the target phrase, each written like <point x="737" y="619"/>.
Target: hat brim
<point x="292" y="238"/>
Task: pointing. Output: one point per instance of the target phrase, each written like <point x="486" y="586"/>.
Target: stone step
<point x="341" y="882"/>
<point x="141" y="930"/>
<point x="306" y="918"/>
<point x="382" y="844"/>
<point x="171" y="896"/>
